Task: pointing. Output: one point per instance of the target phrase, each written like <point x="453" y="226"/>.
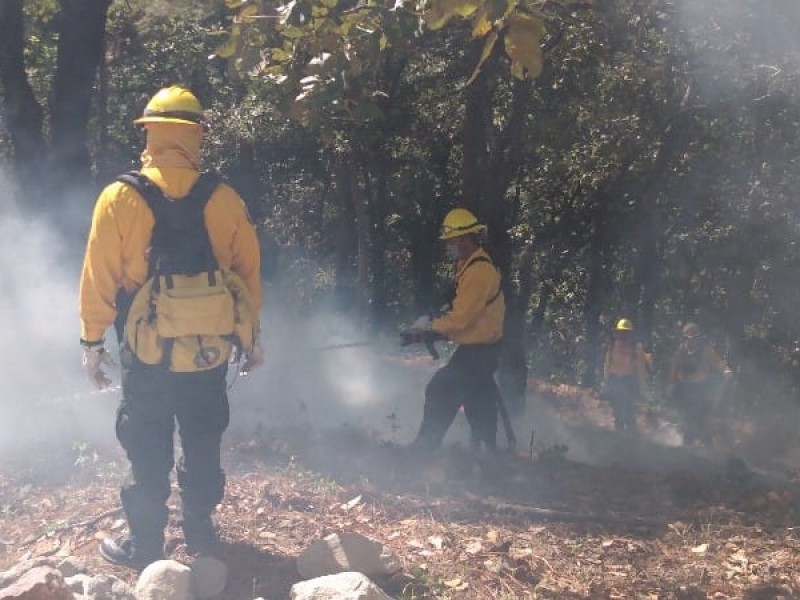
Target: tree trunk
<point x="486" y="175"/>
<point x="23" y="114"/>
<point x="377" y="251"/>
<point x="360" y="209"/>
<point x="595" y="292"/>
<point x="346" y="236"/>
<point x="81" y="29"/>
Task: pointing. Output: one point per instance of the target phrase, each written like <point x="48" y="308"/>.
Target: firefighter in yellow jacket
<point x="698" y="377"/>
<point x="155" y="398"/>
<point x="475" y="323"/>
<point x="624" y="375"/>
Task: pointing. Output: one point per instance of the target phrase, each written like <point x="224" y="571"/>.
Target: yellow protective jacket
<point x="626" y="360"/>
<point x="697" y="366"/>
<point x="122" y="225"/>
<point x="478" y="308"/>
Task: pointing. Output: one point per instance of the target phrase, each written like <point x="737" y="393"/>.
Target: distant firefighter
<point x="624" y="375"/>
<point x="694" y="383"/>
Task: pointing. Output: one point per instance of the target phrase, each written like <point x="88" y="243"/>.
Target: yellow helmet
<point x="624" y="325"/>
<point x="173" y="104"/>
<point x="458" y="222"/>
<point x="691" y="330"/>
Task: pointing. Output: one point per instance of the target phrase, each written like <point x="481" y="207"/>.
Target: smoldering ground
<point x="321" y="372"/>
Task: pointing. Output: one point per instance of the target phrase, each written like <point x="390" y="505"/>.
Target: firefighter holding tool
<point x="475" y="324"/>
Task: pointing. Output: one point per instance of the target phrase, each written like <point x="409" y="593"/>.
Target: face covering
<point x="452" y="251"/>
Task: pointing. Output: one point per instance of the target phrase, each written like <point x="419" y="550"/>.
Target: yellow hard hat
<point x="458" y="222"/>
<point x="624" y="325"/>
<point x="173" y="104"/>
<point x="691" y="330"/>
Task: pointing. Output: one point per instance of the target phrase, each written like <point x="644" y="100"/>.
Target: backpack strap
<point x="177" y="217"/>
<point x="483" y="259"/>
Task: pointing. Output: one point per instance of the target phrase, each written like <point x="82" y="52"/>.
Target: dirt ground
<point x="533" y="524"/>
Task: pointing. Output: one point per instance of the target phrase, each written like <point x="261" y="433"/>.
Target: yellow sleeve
<point x="102" y="269"/>
<point x="246" y="253"/>
<point x="247" y="261"/>
<point x="477" y="285"/>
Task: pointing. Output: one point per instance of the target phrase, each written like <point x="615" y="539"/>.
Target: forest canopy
<point x="635" y="158"/>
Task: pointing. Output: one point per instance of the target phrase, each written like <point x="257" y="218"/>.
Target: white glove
<point x="253" y="358"/>
<point x="94" y="359"/>
<point x="236" y="355"/>
<point x="421" y="324"/>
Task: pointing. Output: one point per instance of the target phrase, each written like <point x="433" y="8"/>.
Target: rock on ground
<point x="340" y="552"/>
<point x="342" y="586"/>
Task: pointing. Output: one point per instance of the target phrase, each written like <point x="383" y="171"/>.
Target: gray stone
<point x="165" y="580"/>
<point x="340" y="552"/>
<point x="342" y="586"/>
<point x="39" y="583"/>
<point x="99" y="587"/>
<point x="71" y="566"/>
<point x="19" y="569"/>
<point x="78" y="583"/>
<point x="209" y="577"/>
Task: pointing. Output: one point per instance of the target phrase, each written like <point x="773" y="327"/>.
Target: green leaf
<point x="487" y="51"/>
<point x="466" y="8"/>
<point x="384" y="42"/>
<point x="292" y="32"/>
<point x="523" y="45"/>
<point x="440" y="12"/>
<point x="247" y="14"/>
<point x="230" y="46"/>
<point x="280" y="55"/>
<point x="481" y="24"/>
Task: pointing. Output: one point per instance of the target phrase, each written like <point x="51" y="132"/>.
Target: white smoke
<point x="45" y="398"/>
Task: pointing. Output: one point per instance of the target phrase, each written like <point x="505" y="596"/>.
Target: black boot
<point x="128" y="552"/>
<point x="201" y="535"/>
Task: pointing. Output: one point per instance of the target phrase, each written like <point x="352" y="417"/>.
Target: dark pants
<point x="694" y="401"/>
<point x="468" y="381"/>
<point x="153" y="400"/>
<point x="622" y="393"/>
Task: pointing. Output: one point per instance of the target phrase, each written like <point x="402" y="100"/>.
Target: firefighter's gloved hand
<point x="253" y="358"/>
<point x="236" y="355"/>
<point x="421" y="324"/>
<point x="95" y="358"/>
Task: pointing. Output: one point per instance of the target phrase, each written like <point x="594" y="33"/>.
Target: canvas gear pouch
<point x="194" y="305"/>
<point x="190" y="313"/>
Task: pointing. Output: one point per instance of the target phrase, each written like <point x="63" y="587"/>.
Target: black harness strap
<point x="184" y="216"/>
<point x="483" y="259"/>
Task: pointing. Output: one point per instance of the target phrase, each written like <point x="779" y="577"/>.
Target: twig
<point x="93" y="521"/>
<point x="80" y="524"/>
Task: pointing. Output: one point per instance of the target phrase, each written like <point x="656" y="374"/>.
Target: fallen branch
<point x="93" y="521"/>
<point x="560" y="515"/>
<point x="80" y="524"/>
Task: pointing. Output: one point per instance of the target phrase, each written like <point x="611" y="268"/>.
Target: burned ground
<point x="535" y="524"/>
